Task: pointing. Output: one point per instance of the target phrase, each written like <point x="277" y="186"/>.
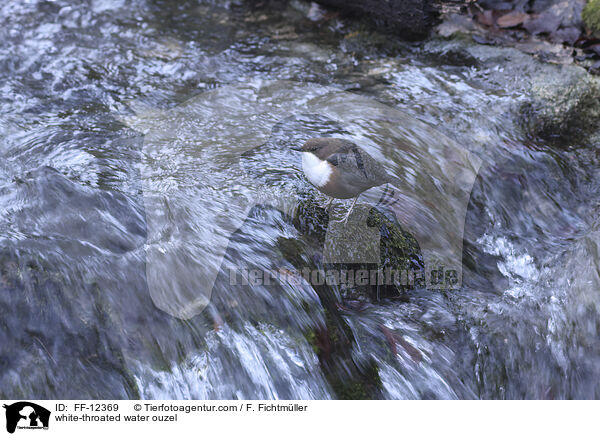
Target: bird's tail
<point x="394" y="181"/>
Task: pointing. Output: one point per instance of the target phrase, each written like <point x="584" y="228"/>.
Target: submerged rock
<point x="317" y="308"/>
<point x="370" y="242"/>
<point x="332" y="343"/>
<point x="559" y="104"/>
<point x="58" y="339"/>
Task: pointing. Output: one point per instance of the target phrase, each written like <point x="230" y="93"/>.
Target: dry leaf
<point x="512" y="19"/>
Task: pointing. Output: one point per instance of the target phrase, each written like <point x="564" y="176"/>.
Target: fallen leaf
<point x="486" y="18"/>
<point x="512" y="19"/>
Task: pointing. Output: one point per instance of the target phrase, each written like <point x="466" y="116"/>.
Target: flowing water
<point x="144" y="156"/>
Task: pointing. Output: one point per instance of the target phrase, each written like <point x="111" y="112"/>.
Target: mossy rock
<point x="591" y="17"/>
<point x="311" y="218"/>
<point x="564" y="108"/>
<point x="399" y="252"/>
<point x="374" y="243"/>
<point x="398" y="248"/>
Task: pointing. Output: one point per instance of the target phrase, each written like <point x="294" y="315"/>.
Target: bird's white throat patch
<point x="317" y="171"/>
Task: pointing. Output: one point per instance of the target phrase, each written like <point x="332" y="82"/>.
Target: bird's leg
<point x="383" y="195"/>
<point x="387" y="197"/>
<point x="345" y="219"/>
<point x="328" y="203"/>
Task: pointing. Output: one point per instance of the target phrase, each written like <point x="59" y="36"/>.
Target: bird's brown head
<point x="321" y="147"/>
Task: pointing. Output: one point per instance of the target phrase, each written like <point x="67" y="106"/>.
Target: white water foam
<point x="257" y="363"/>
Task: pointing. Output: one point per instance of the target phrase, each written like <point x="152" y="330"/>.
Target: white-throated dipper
<point x="340" y="169"/>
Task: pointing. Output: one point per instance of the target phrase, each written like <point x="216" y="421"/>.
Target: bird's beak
<point x="296" y="148"/>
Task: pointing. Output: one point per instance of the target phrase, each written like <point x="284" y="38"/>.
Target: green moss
<point x="311" y="218"/>
<point x="359" y="389"/>
<point x="311" y="338"/>
<point x="591" y="16"/>
<point x="398" y="248"/>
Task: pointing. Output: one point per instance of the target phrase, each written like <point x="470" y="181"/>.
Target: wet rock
<point x="333" y="340"/>
<point x="541" y="5"/>
<point x="457" y="56"/>
<point x="370" y="241"/>
<point x="568" y="35"/>
<point x="455" y="23"/>
<point x="564" y="107"/>
<point x="595" y="48"/>
<point x="398" y="248"/>
<point x="557" y="102"/>
<point x="546" y="22"/>
<point x="311" y="218"/>
<point x="385" y="248"/>
<point x="547" y="52"/>
<point x="569" y="12"/>
<point x="409" y="19"/>
<point x="364" y="43"/>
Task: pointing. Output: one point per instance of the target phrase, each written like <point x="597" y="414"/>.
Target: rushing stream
<point x="144" y="156"/>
